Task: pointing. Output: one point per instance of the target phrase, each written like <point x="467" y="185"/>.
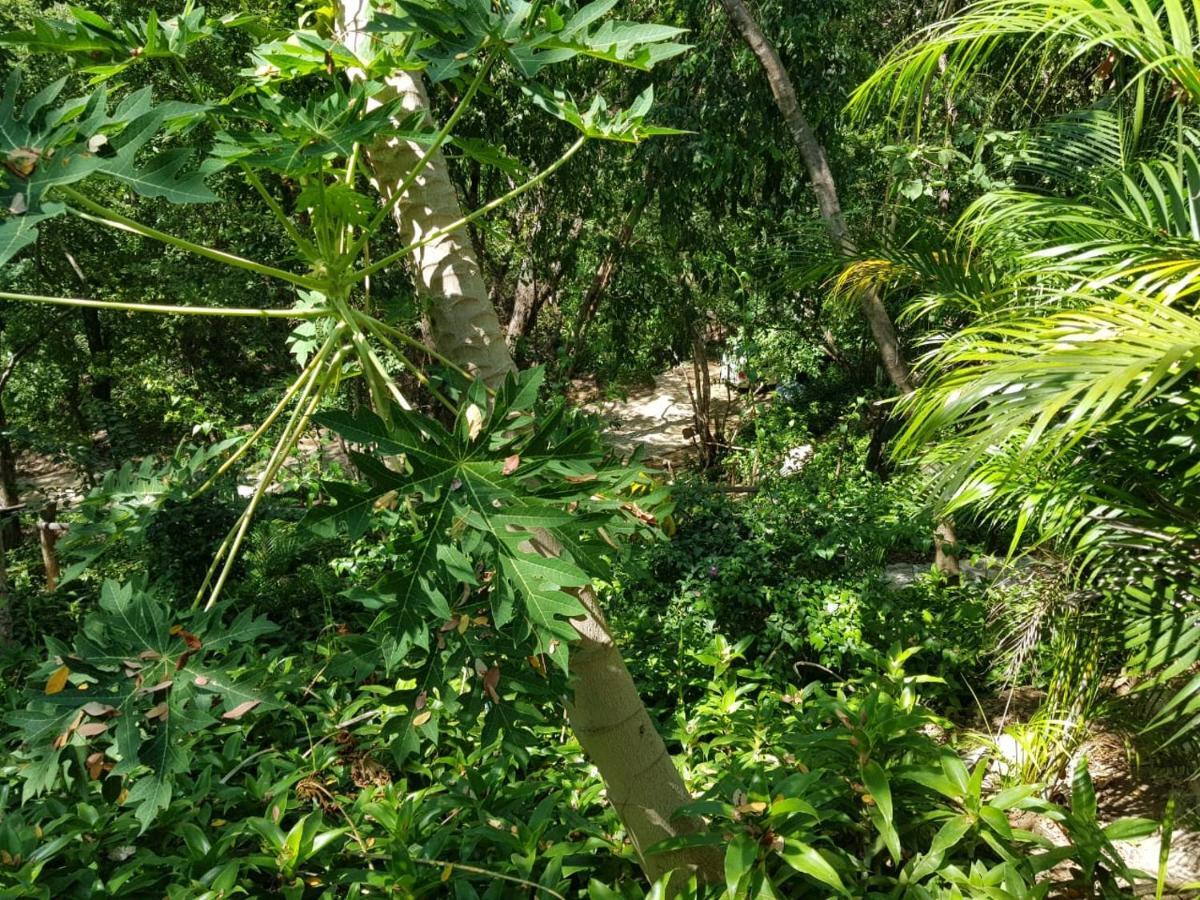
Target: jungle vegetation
<point x="324" y="574"/>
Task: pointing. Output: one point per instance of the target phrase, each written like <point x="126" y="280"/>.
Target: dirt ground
<point x="658" y="416"/>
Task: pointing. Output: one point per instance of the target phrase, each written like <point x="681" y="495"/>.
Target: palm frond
<point x="1157" y="36"/>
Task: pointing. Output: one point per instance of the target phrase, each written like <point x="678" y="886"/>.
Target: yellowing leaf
<point x="421" y="718"/>
<point x="58" y="680"/>
<point x="474" y="421"/>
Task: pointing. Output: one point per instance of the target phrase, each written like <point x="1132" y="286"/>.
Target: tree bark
<point x="825" y="188"/>
<point x="10" y="495"/>
<point x="605" y="711"/>
<point x="447" y="278"/>
<point x="604" y="274"/>
<point x="823" y="185"/>
<point x="97" y="345"/>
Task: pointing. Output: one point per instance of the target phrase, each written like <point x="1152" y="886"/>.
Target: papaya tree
<point x="506" y="511"/>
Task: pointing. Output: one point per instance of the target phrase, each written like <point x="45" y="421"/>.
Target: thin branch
<point x="167" y="310"/>
<point x="114" y="219"/>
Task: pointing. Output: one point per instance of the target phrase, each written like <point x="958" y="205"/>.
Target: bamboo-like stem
<point x="228" y="549"/>
<point x="438" y="139"/>
<point x="409" y="364"/>
<point x="166" y="310"/>
<point x="529" y="185"/>
<point x="250" y="441"/>
<point x="114" y="219"/>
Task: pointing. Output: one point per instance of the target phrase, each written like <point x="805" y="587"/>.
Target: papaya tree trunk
<point x="605" y="710"/>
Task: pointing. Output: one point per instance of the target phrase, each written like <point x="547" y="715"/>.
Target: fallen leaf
<point x="97" y="709"/>
<point x="240" y="710"/>
<point x="421" y="718"/>
<point x="157" y="711"/>
<point x="480" y="666"/>
<point x="91" y="729"/>
<point x="57" y="680"/>
<point x="491" y="678"/>
<point x="156" y="687"/>
<point x="511" y="464"/>
<point x="148" y="654"/>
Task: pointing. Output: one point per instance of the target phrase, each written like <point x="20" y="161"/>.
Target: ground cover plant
<point x="317" y="581"/>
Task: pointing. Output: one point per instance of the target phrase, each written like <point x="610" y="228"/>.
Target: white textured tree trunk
<point x="448" y="281"/>
<point x="606" y="712"/>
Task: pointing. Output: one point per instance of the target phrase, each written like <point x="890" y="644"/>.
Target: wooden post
<point x="49" y="531"/>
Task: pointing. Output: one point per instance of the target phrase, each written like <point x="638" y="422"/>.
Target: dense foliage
<point x="317" y="581"/>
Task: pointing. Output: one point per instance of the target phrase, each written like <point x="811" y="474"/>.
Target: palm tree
<point x="1060" y="393"/>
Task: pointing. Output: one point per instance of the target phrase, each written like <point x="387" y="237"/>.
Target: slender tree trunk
<point x="524" y="309"/>
<point x="825" y="188"/>
<point x="97" y="345"/>
<point x="10" y="495"/>
<point x="823" y="184"/>
<point x="604" y="274"/>
<point x="605" y="711"/>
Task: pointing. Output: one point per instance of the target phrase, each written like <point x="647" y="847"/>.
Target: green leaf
<point x="740" y="857"/>
<point x="808" y="860"/>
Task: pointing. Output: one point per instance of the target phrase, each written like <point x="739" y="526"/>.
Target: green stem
<point x="471" y="217"/>
<point x="287" y="442"/>
<point x="303" y="243"/>
<point x="411" y="366"/>
<point x="305" y="374"/>
<point x="170" y="310"/>
<point x="114" y="219"/>
<point x="435" y="145"/>
<point x="380" y="327"/>
<point x="229" y="547"/>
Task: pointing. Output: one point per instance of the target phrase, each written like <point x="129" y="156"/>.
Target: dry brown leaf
<point x="511" y="464"/>
<point x="491" y="678"/>
<point x="97" y="709"/>
<point x="157" y="711"/>
<point x="91" y="729"/>
<point x="240" y="710"/>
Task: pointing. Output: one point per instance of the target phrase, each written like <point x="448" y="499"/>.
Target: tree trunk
<point x="600" y="281"/>
<point x="446" y="272"/>
<point x="823" y="185"/>
<point x="10" y="495"/>
<point x="97" y="346"/>
<point x="606" y="712"/>
<point x="825" y="189"/>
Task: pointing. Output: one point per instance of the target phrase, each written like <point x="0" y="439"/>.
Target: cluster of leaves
<point x="46" y="146"/>
<point x="117" y="704"/>
<point x="497" y="523"/>
<point x="847" y="790"/>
